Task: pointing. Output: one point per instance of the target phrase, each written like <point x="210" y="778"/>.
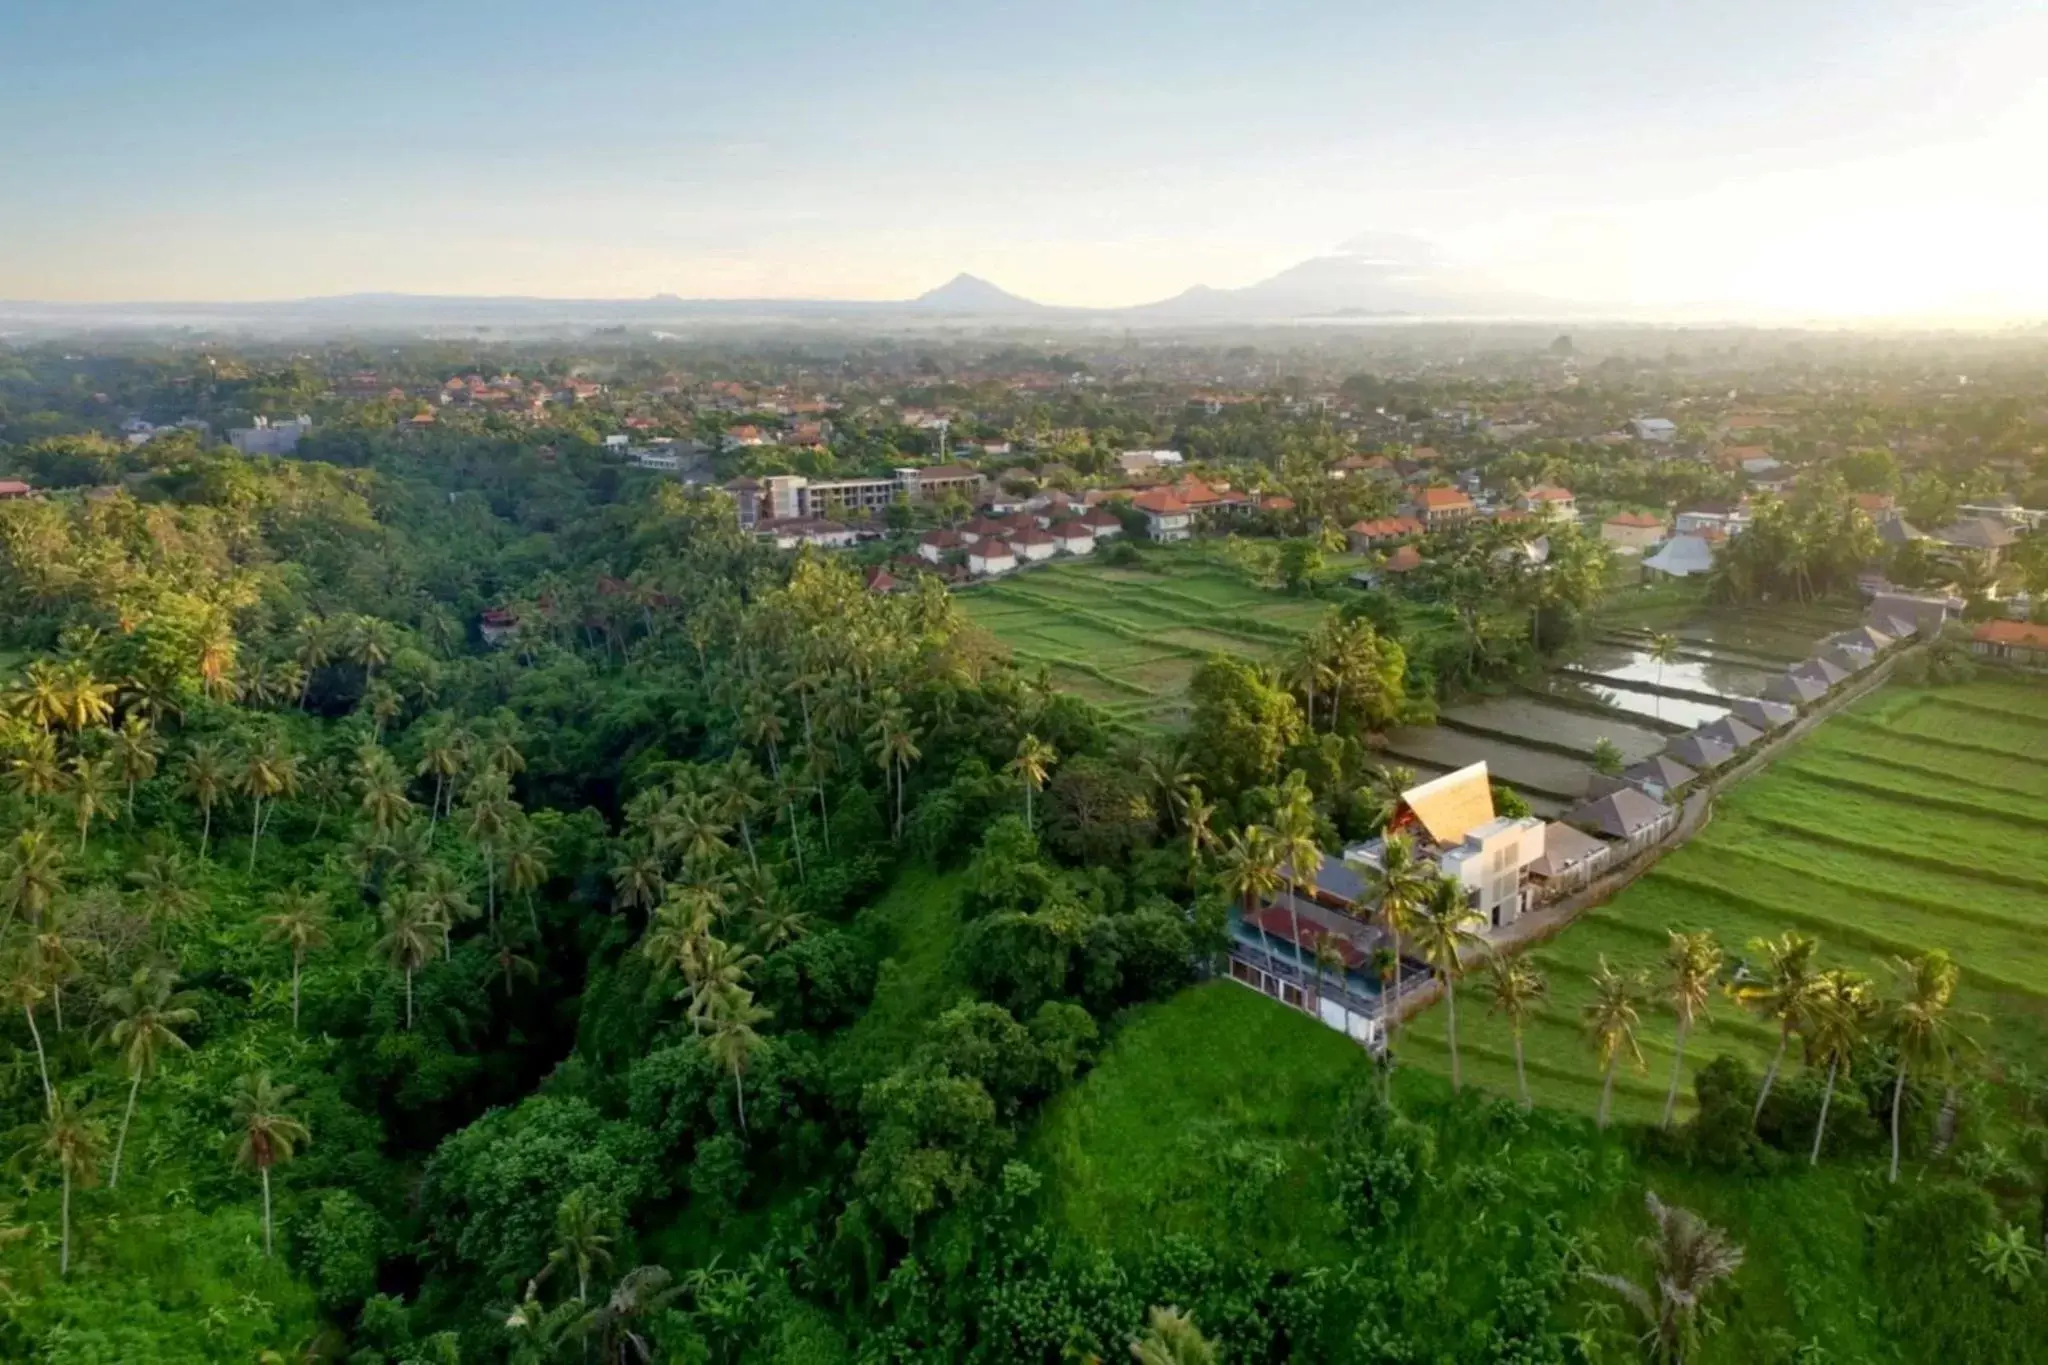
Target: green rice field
<point x="1129" y="639"/>
<point x="1916" y="820"/>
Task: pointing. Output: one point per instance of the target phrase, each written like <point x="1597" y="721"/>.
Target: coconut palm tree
<point x="87" y="701"/>
<point x="892" y="743"/>
<point x="1171" y="1338"/>
<point x="369" y="642"/>
<point x="33" y="769"/>
<point x="164" y="889"/>
<point x="298" y="920"/>
<point x="490" y="812"/>
<point x="1692" y="963"/>
<point x="1033" y="761"/>
<point x="524" y="854"/>
<point x="636" y="878"/>
<point x="268" y="772"/>
<point x="32" y="875"/>
<point x="1403" y="881"/>
<point x="1445" y="925"/>
<point x="1515" y="989"/>
<point x="205" y="780"/>
<point x="1329" y="958"/>
<point x="270" y="1136"/>
<point x="71" y="1137"/>
<point x="1663" y="650"/>
<point x="584" y="1232"/>
<point x="91" y="793"/>
<point x="1612" y="1017"/>
<point x="1688" y="1257"/>
<point x="619" y="1323"/>
<point x="137" y="751"/>
<point x="733" y="1043"/>
<point x="316" y="643"/>
<point x="147" y="1013"/>
<point x="1919" y="1025"/>
<point x="410" y="938"/>
<point x="383" y="791"/>
<point x="443" y="758"/>
<point x="1294" y="838"/>
<point x="1251" y="872"/>
<point x="740" y="793"/>
<point x="1840" y="1014"/>
<point x="1780" y="990"/>
<point x="23" y="988"/>
<point x="40" y="698"/>
<point x="445" y="900"/>
<point x="1195" y="820"/>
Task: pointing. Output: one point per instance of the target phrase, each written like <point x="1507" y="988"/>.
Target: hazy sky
<point x="1833" y="158"/>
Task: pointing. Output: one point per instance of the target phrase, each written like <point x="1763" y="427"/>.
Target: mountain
<point x="970" y="294"/>
<point x="1379" y="274"/>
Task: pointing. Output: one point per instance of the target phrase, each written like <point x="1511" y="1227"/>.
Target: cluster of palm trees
<point x="1837" y="1016"/>
<point x="64" y="750"/>
<point x="702" y="896"/>
<point x="1342" y="661"/>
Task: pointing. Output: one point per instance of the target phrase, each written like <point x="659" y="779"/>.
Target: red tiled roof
<point x="1381" y="527"/>
<point x="2025" y="634"/>
<point x="942" y="540"/>
<point x="1404" y="560"/>
<point x="13" y="488"/>
<point x="1645" y="520"/>
<point x="1442" y="499"/>
<point x="1160" y="502"/>
<point x="1280" y="504"/>
<point x="992" y="549"/>
<point x="1033" y="536"/>
<point x="1549" y="493"/>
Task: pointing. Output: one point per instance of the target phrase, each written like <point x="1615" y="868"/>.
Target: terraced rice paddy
<point x="1919" y="819"/>
<point x="1130" y="639"/>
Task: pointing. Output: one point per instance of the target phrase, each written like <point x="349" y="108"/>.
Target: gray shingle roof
<point x="1619" y="815"/>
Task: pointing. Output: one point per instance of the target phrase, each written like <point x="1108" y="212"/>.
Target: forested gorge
<point x="384" y="996"/>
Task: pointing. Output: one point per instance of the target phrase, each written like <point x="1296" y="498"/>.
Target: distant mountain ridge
<point x="1348" y="283"/>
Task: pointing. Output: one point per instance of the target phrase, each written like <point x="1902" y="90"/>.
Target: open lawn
<point x="1130" y="639"/>
<point x="1917" y="820"/>
<point x="1210" y="1115"/>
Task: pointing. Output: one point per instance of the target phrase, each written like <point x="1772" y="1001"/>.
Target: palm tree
<point x="1515" y="988"/>
<point x="1693" y="962"/>
<point x="161" y="885"/>
<point x="87" y="701"/>
<point x="619" y="1322"/>
<point x="1251" y="872"/>
<point x="24" y="989"/>
<point x="583" y="1239"/>
<point x="33" y="768"/>
<point x="1294" y="832"/>
<point x="383" y="791"/>
<point x="369" y="642"/>
<point x="147" y="1014"/>
<point x="1919" y="1026"/>
<point x="136" y="751"/>
<point x="444" y="900"/>
<point x="1445" y="924"/>
<point x="270" y="1136"/>
<point x="1329" y="958"/>
<point x="1034" y="759"/>
<point x="270" y="771"/>
<point x="408" y="943"/>
<point x="1688" y="1257"/>
<point x="1612" y="1017"/>
<point x="892" y="743"/>
<point x="316" y="645"/>
<point x="491" y="810"/>
<point x="1663" y="650"/>
<point x="1781" y="991"/>
<point x="1171" y="1339"/>
<point x="508" y="962"/>
<point x="91" y="796"/>
<point x="739" y="792"/>
<point x="1403" y="881"/>
<point x="34" y="875"/>
<point x="299" y="921"/>
<point x="445" y="754"/>
<point x="205" y="781"/>
<point x="733" y="1043"/>
<point x="525" y="856"/>
<point x="1195" y="817"/>
<point x="636" y="878"/>
<point x="1167" y="773"/>
<point x="40" y="698"/>
<point x="69" y="1136"/>
<point x="1839" y="1015"/>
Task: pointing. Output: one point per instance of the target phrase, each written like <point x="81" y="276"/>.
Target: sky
<point x="1824" y="158"/>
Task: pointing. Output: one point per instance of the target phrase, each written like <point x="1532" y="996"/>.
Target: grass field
<point x="1194" y="1092"/>
<point x="1918" y="819"/>
<point x="1129" y="639"/>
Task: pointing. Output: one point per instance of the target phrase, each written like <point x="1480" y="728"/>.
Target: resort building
<point x="2012" y="642"/>
<point x="1167" y="518"/>
<point x="1452" y="821"/>
<point x="1632" y="531"/>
